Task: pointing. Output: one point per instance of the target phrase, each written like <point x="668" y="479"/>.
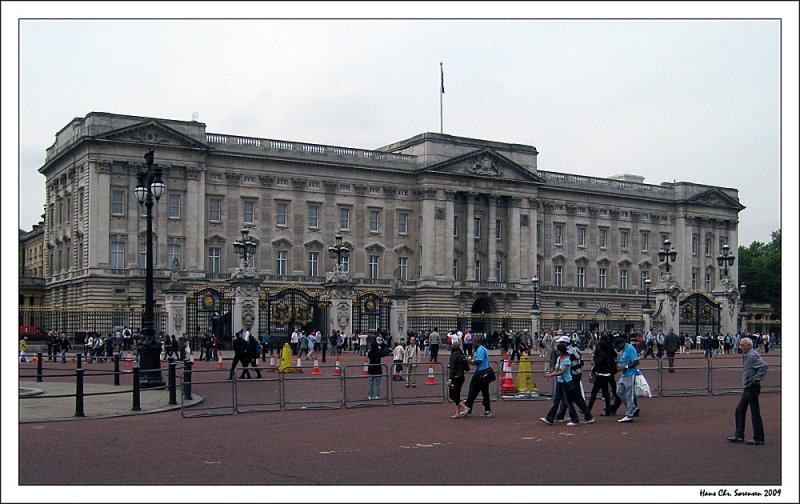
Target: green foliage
<point x="760" y="271"/>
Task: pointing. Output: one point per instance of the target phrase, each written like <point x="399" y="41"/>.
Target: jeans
<point x="577" y="400"/>
<point x="435" y="353"/>
<point x="411" y="376"/>
<point x="562" y="394"/>
<point x="626" y="393"/>
<point x="750" y="398"/>
<point x="374" y="386"/>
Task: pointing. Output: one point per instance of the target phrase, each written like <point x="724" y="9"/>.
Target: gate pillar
<point x="667" y="314"/>
<point x="245" y="291"/>
<point x="728" y="299"/>
<point x="340" y="294"/>
<point x="398" y="316"/>
<point x="175" y="304"/>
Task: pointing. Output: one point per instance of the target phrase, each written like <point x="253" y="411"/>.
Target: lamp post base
<point x="150" y="367"/>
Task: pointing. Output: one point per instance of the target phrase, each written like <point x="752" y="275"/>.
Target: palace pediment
<point x="715" y="198"/>
<point x="152" y="133"/>
<point x="484" y="164"/>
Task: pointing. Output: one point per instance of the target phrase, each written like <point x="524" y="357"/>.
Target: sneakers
<point x="591" y="420"/>
<point x="573" y="424"/>
<point x="625" y="419"/>
<point x="545" y="420"/>
<point x="466" y="413"/>
<point x="559" y="420"/>
<point x="734" y="439"/>
<point x="487" y="414"/>
<point x="754" y="442"/>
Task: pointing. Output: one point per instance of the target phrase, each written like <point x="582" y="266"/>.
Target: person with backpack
<point x="127" y="338"/>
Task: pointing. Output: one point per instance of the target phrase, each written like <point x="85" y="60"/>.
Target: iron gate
<point x="209" y="310"/>
<point x="370" y="312"/>
<point x="288" y="308"/>
<point x="699" y="314"/>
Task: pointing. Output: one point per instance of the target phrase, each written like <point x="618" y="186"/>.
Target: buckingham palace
<point x="447" y="224"/>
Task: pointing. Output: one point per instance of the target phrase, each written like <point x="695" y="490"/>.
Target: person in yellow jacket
<point x="23" y="347"/>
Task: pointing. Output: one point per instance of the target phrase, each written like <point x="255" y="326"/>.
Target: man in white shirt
<point x="411" y="359"/>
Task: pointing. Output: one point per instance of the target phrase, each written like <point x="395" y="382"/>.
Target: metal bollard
<point x="39" y="366"/>
<point x="171" y="381"/>
<point x="79" y="392"/>
<point x="78" y="358"/>
<point x="324" y="348"/>
<point x="187" y="380"/>
<point x="116" y="369"/>
<point x="137" y="404"/>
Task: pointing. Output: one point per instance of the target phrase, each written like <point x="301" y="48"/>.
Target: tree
<point x="760" y="271"/>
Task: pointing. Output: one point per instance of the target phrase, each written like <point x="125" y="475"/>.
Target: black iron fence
<point x="81" y="321"/>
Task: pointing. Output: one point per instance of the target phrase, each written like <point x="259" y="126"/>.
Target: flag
<point x="442" y="70"/>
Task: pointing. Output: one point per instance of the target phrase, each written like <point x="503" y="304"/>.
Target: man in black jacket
<point x="671" y="345"/>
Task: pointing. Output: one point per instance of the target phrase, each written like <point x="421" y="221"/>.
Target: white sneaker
<point x="572" y="424"/>
<point x="625" y="419"/>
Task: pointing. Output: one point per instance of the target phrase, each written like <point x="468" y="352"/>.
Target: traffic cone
<point x="129" y="359"/>
<point x="338" y="370"/>
<point x="365" y="372"/>
<point x="508" y="385"/>
<point x="272" y="364"/>
<point x="220" y="364"/>
<point x="299" y="368"/>
<point x="315" y="371"/>
<point x="35" y="360"/>
<point x="431" y="377"/>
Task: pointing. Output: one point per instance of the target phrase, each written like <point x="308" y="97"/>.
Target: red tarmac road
<point x="676" y="441"/>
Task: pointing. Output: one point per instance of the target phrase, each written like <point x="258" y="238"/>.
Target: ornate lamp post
<point x="647" y="293"/>
<point x="535" y="285"/>
<point x="667" y="253"/>
<point x="725" y="259"/>
<point x="338" y="251"/>
<point x="245" y="248"/>
<point x="149" y="186"/>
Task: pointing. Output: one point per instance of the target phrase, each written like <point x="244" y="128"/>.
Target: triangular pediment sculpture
<point x="485" y="163"/>
<point x="152" y="133"/>
<point x="717" y="198"/>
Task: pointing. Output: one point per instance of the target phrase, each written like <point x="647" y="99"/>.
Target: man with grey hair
<point x="754" y="371"/>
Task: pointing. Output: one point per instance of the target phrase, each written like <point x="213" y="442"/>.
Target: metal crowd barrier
<point x="356" y="389"/>
<point x="700" y="377"/>
<point x="431" y="382"/>
<point x="309" y="391"/>
<point x="210" y="406"/>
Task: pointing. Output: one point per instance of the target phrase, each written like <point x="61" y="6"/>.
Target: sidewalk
<point x="52" y="409"/>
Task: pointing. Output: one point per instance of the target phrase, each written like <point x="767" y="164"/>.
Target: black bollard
<point x="137" y="404"/>
<point x="324" y="348"/>
<point x="39" y="366"/>
<point x="171" y="381"/>
<point x="187" y="380"/>
<point x="78" y="358"/>
<point x="79" y="392"/>
<point x="116" y="369"/>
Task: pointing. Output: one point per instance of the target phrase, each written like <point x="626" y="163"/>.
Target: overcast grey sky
<point x="690" y="100"/>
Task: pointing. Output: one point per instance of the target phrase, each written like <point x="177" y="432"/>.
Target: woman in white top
<point x="397" y="356"/>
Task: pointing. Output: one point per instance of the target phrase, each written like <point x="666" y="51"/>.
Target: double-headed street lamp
<point x="535" y="285"/>
<point x="149" y="185"/>
<point x="338" y="251"/>
<point x="725" y="259"/>
<point x="667" y="253"/>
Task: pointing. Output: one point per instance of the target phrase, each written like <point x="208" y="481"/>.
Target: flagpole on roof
<point x="441" y="94"/>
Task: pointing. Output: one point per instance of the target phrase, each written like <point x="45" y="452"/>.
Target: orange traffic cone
<point x="35" y="360"/>
<point x="365" y="372"/>
<point x="220" y="364"/>
<point x="508" y="384"/>
<point x="272" y="364"/>
<point x="431" y="377"/>
<point x="299" y="368"/>
<point x="338" y="370"/>
<point x="129" y="360"/>
<point x="316" y="367"/>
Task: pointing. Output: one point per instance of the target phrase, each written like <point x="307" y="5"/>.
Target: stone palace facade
<point x="460" y="224"/>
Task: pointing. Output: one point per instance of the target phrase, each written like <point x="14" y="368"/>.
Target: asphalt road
<point x="677" y="441"/>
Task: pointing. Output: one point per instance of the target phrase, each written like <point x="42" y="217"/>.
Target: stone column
<point x="470" y="238"/>
<point x="514" y="241"/>
<point x="534" y="251"/>
<point x="428" y="232"/>
<point x="492" y="276"/>
<point x="340" y="315"/>
<point x="398" y="316"/>
<point x="536" y="322"/>
<point x="175" y="304"/>
<point x="666" y="312"/>
<point x="728" y="298"/>
<point x="449" y="217"/>
<point x="245" y="290"/>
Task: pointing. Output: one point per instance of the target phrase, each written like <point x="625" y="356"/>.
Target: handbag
<point x="487" y="375"/>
